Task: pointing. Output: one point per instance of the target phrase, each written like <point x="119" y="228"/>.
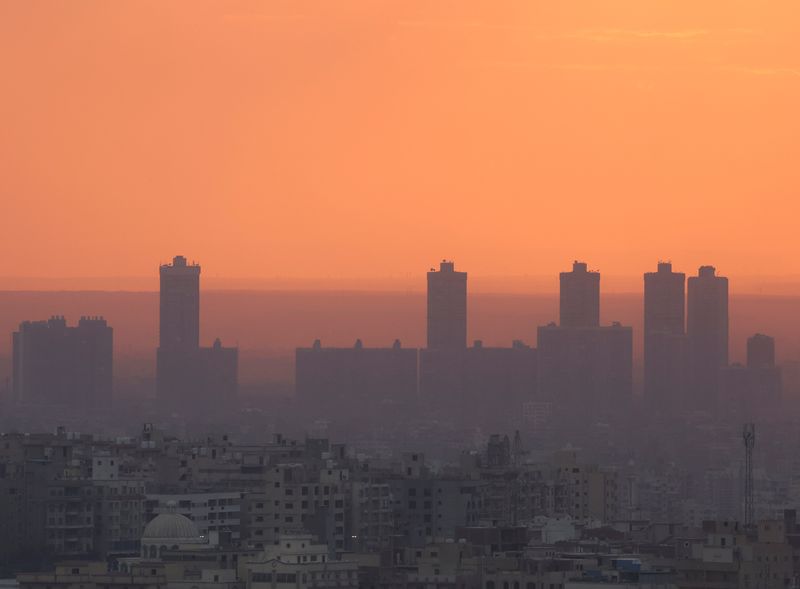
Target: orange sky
<point x="366" y="139"/>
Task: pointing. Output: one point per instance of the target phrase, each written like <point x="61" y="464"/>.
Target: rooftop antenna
<point x="749" y="439"/>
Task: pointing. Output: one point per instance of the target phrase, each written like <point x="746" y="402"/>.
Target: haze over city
<point x="399" y="294"/>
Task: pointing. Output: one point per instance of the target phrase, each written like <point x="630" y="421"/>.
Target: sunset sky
<point x="359" y="141"/>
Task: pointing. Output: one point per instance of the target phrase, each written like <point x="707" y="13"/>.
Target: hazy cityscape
<point x="399" y="294"/>
<point x="455" y="464"/>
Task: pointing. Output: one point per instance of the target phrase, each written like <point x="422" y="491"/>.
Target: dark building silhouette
<point x="590" y="368"/>
<point x="582" y="365"/>
<point x="341" y="377"/>
<point x="479" y="382"/>
<point x="447" y="308"/>
<point x="57" y="365"/>
<point x="707" y="330"/>
<point x="179" y="305"/>
<point x="664" y="336"/>
<point x="188" y="375"/>
<point x="505" y="374"/>
<point x="754" y="390"/>
<point x="464" y="383"/>
<point x="579" y="297"/>
<point x="760" y="351"/>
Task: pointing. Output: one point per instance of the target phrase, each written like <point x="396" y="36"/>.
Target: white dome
<point x="172" y="526"/>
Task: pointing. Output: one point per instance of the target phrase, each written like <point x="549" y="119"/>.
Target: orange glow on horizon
<point x="362" y="141"/>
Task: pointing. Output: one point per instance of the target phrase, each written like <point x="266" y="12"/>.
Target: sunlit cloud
<point x="250" y="16"/>
<point x="595" y="35"/>
<point x="765" y="71"/>
<point x="603" y="35"/>
<point x="528" y="65"/>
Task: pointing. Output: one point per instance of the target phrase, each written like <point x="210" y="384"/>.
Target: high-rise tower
<point x="186" y="374"/>
<point x="447" y="308"/>
<point x="664" y="340"/>
<point x="579" y="304"/>
<point x="583" y="368"/>
<point x="707" y="329"/>
<point x="179" y="323"/>
<point x="760" y="351"/>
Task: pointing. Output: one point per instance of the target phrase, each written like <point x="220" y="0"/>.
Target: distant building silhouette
<point x="586" y="368"/>
<point x="468" y="381"/>
<point x="472" y="383"/>
<point x="665" y="344"/>
<point x="57" y="365"/>
<point x="347" y="378"/>
<point x="583" y="366"/>
<point x="447" y="308"/>
<point x="479" y="382"/>
<point x="754" y="390"/>
<point x="186" y="374"/>
<point x="760" y="351"/>
<point x="179" y="305"/>
<point x="707" y="330"/>
<point x="579" y="301"/>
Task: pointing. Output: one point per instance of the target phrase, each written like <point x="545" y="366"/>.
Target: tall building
<point x="664" y="335"/>
<point x="760" y="351"/>
<point x="581" y="364"/>
<point x="186" y="374"/>
<point x="54" y="364"/>
<point x="579" y="297"/>
<point x="179" y="305"/>
<point x="447" y="308"/>
<point x="755" y="390"/>
<point x="707" y="330"/>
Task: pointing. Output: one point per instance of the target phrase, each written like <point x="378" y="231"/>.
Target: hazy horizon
<point x="518" y="284"/>
<point x="268" y="325"/>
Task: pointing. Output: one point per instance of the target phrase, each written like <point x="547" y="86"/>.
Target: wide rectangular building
<point x="586" y="367"/>
<point x="328" y="376"/>
<point x="57" y="365"/>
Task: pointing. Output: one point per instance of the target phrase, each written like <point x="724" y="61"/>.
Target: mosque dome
<point x="172" y="526"/>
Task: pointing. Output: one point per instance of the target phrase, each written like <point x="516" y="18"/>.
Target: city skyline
<point x="399" y="294"/>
